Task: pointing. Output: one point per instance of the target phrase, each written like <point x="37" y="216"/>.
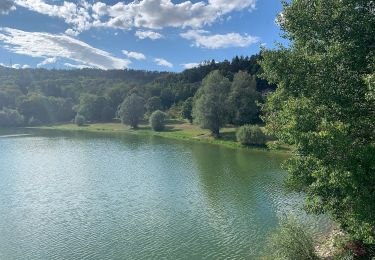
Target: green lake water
<point x="99" y="196"/>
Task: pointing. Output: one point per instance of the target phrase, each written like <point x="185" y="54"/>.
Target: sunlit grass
<point x="174" y="129"/>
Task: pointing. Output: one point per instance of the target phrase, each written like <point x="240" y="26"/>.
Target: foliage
<point x="79" y="120"/>
<point x="243" y="98"/>
<point x="153" y="104"/>
<point x="10" y="118"/>
<point x="49" y="96"/>
<point x="187" y="109"/>
<point x="211" y="109"/>
<point x="324" y="106"/>
<point x="251" y="135"/>
<point x="95" y="108"/>
<point x="157" y="120"/>
<point x="291" y="241"/>
<point x="132" y="110"/>
<point x="34" y="122"/>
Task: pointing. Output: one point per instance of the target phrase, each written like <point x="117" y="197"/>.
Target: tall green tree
<point x="324" y="106"/>
<point x="153" y="104"/>
<point x="132" y="110"/>
<point x="211" y="110"/>
<point x="243" y="99"/>
<point x="187" y="109"/>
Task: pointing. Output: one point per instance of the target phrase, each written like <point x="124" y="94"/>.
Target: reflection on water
<point x="92" y="196"/>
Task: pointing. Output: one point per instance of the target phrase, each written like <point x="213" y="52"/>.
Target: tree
<point x="157" y="120"/>
<point x="324" y="107"/>
<point x="211" y="110"/>
<point x="251" y="135"/>
<point x="132" y="110"/>
<point x="187" y="109"/>
<point x="153" y="104"/>
<point x="79" y="120"/>
<point x="243" y="98"/>
<point x="95" y="108"/>
<point x="10" y="118"/>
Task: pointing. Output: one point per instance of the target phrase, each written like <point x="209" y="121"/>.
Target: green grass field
<point x="174" y="129"/>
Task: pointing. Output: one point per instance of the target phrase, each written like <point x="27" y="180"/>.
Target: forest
<point x="31" y="97"/>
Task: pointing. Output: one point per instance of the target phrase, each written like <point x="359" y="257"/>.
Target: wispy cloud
<point x="45" y="45"/>
<point x="204" y="39"/>
<point x="134" y="55"/>
<point x="77" y="66"/>
<point x="163" y="62"/>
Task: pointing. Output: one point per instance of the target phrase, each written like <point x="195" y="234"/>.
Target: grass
<point x="175" y="129"/>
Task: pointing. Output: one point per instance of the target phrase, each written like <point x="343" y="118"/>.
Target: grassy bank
<point x="174" y="130"/>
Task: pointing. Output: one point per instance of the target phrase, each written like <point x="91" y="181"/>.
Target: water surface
<point x="96" y="196"/>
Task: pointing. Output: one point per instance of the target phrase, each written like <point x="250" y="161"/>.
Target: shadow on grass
<point x="228" y="136"/>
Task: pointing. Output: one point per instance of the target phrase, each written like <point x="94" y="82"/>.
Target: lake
<point x="113" y="196"/>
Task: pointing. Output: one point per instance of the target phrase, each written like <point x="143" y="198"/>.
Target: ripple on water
<point x="94" y="197"/>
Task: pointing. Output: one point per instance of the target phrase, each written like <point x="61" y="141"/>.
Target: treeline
<point x="39" y="96"/>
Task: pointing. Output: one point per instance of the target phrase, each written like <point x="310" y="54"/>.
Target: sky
<point x="163" y="35"/>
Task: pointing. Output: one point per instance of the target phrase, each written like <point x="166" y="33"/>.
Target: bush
<point x="79" y="120"/>
<point x="157" y="120"/>
<point x="251" y="135"/>
<point x="291" y="240"/>
<point x="10" y="118"/>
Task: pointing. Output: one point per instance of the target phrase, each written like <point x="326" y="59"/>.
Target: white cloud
<point x="76" y="14"/>
<point x="203" y="39"/>
<point x="71" y="32"/>
<point x="190" y="65"/>
<point x="6" y="6"/>
<point x="77" y="66"/>
<point x="45" y="45"/>
<point x="163" y="62"/>
<point x="47" y="61"/>
<point x="134" y="55"/>
<point x="148" y="34"/>
<point x="151" y="14"/>
<point x="15" y="66"/>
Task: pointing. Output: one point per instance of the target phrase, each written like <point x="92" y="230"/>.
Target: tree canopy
<point x="324" y="106"/>
<point x="211" y="109"/>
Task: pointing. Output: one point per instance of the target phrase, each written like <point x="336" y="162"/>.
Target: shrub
<point x="251" y="135"/>
<point x="157" y="120"/>
<point x="34" y="121"/>
<point x="79" y="120"/>
<point x="291" y="240"/>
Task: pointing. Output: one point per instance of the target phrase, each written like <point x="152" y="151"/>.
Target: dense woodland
<point x="38" y="96"/>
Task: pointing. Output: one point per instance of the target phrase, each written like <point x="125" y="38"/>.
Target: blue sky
<point x="145" y="34"/>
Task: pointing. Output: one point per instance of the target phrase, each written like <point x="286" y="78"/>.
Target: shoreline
<point x="177" y="131"/>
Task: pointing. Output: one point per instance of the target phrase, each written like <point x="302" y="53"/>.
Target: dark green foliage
<point x="34" y="122"/>
<point x="10" y="118"/>
<point x="157" y="120"/>
<point x="187" y="109"/>
<point x="95" y="108"/>
<point x="251" y="135"/>
<point x="243" y="99"/>
<point x="79" y="120"/>
<point x="45" y="109"/>
<point x="324" y="106"/>
<point x="132" y="110"/>
<point x="291" y="241"/>
<point x="153" y="104"/>
<point x="211" y="109"/>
